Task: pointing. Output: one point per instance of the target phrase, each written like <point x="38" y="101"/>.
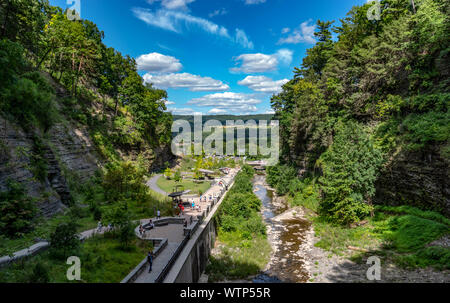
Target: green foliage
<point x="40" y="274"/>
<point x="177" y="176"/>
<point x="350" y="168"/>
<point x="239" y="211"/>
<point x="124" y="180"/>
<point x="426" y="128"/>
<point x="410" y="233"/>
<point x="389" y="75"/>
<point x="17" y="211"/>
<point x="64" y="241"/>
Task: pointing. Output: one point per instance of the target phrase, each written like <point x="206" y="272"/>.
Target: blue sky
<point x="213" y="56"/>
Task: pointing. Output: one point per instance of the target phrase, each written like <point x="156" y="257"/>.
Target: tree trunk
<point x="414" y="6"/>
<point x="43" y="57"/>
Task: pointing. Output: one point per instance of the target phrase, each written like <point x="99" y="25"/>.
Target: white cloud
<point x="158" y="63"/>
<point x="218" y="12"/>
<point x="176" y="21"/>
<point x="167" y="102"/>
<point x="285" y="30"/>
<point x="229" y="101"/>
<point x="285" y="55"/>
<point x="260" y="63"/>
<point x="303" y="34"/>
<point x="184" y="80"/>
<point x="242" y="39"/>
<point x="182" y="111"/>
<point x="249" y="2"/>
<point x="263" y="84"/>
<point x="255" y="63"/>
<point x="173" y="4"/>
<point x="217" y="111"/>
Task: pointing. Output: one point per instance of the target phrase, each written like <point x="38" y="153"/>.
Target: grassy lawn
<point x="44" y="227"/>
<point x="168" y="185"/>
<point x="400" y="233"/>
<point x="238" y="258"/>
<point x="102" y="261"/>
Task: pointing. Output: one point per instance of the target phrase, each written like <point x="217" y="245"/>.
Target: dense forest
<point x="365" y="117"/>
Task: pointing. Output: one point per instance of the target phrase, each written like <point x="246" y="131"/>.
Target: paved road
<point x="153" y="186"/>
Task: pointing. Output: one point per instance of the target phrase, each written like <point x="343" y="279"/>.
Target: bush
<point x="124" y="180"/>
<point x="40" y="274"/>
<point x="17" y="211"/>
<point x="350" y="167"/>
<point x="64" y="240"/>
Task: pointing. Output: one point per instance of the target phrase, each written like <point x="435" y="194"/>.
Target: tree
<point x="64" y="241"/>
<point x="350" y="168"/>
<point x="17" y="210"/>
<point x="177" y="176"/>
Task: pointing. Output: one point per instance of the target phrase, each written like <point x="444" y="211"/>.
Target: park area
<point x="196" y="187"/>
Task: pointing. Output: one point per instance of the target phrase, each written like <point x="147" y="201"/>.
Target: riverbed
<point x="288" y="235"/>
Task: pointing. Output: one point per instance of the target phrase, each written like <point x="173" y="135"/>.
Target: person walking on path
<point x="150" y="257"/>
<point x="99" y="226"/>
<point x="158" y="214"/>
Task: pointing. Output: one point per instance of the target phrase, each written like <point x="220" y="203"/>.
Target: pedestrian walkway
<point x="174" y="233"/>
<point x="152" y="183"/>
<point x="158" y="264"/>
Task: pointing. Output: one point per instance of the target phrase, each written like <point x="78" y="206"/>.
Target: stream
<point x="286" y="234"/>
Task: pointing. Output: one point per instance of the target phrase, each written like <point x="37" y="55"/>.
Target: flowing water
<point x="287" y="263"/>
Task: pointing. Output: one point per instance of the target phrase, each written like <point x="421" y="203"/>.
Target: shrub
<point x="17" y="210"/>
<point x="40" y="274"/>
<point x="64" y="240"/>
<point x="350" y="167"/>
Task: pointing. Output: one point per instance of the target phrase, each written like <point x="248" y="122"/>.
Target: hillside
<point x="366" y="115"/>
<point x="75" y="116"/>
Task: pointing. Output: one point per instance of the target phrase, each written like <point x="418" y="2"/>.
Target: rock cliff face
<point x="67" y="149"/>
<point x="418" y="179"/>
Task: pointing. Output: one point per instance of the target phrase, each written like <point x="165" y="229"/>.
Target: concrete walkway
<point x="158" y="264"/>
<point x="174" y="233"/>
<point x="152" y="183"/>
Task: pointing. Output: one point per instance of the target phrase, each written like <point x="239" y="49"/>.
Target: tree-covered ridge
<point x="80" y="127"/>
<point x="38" y="37"/>
<point x="380" y="89"/>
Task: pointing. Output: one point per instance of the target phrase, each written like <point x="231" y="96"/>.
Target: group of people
<point x="100" y="227"/>
<point x="149" y="226"/>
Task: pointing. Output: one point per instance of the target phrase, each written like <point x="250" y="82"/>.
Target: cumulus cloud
<point x="285" y="30"/>
<point x="217" y="111"/>
<point x="182" y="111"/>
<point x="229" y="101"/>
<point x="158" y="63"/>
<point x="167" y="102"/>
<point x="260" y="63"/>
<point x="177" y="21"/>
<point x="173" y="4"/>
<point x="255" y="63"/>
<point x="285" y="56"/>
<point x="194" y="83"/>
<point x="303" y="34"/>
<point x="263" y="84"/>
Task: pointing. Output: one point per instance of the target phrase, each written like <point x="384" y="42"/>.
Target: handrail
<point x="172" y="260"/>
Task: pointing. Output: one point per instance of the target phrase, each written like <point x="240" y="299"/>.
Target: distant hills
<point x="224" y="118"/>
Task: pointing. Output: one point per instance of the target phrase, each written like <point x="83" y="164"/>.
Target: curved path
<point x="152" y="183"/>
